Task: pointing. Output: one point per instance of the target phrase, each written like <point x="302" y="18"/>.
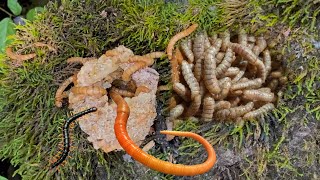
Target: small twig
<point x="6" y="12"/>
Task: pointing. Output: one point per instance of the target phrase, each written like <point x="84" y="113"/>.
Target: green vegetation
<point x="30" y="124"/>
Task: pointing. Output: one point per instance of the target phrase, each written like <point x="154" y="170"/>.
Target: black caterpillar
<point x="66" y="140"/>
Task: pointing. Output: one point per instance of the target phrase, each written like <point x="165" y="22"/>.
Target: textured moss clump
<point x="30" y="124"/>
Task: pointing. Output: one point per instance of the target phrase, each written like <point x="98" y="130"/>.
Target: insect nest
<point x="121" y="71"/>
<point x="224" y="77"/>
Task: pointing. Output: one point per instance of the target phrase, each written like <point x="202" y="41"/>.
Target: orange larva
<point x="18" y="57"/>
<point x="146" y="59"/>
<point x="258" y="95"/>
<point x="128" y="72"/>
<point x="209" y="75"/>
<point x="179" y="36"/>
<point x="122" y="92"/>
<point x="89" y="90"/>
<point x="62" y="87"/>
<point x="80" y="60"/>
<point x="208" y="108"/>
<point x="262" y="110"/>
<point x="141" y="89"/>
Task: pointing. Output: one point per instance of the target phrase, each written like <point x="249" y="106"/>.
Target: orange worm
<point x="179" y="56"/>
<point x="59" y="94"/>
<point x="141" y="89"/>
<point x="179" y="36"/>
<point x="120" y="128"/>
<point x="175" y="70"/>
<point x="146" y="59"/>
<point x="19" y="57"/>
<point x="128" y="72"/>
<point x="80" y="60"/>
<point x="89" y="90"/>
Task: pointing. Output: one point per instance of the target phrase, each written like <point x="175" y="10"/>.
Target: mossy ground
<point x="284" y="144"/>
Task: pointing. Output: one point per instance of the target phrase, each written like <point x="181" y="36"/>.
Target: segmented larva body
<point x="209" y="75"/>
<point x="238" y="77"/>
<point x="19" y="57"/>
<point x="117" y="74"/>
<point x="251" y="84"/>
<point x="175" y="72"/>
<point x="179" y="56"/>
<point x="232" y="71"/>
<point x="130" y="86"/>
<point x="234" y="112"/>
<point x="126" y="76"/>
<point x="283" y="80"/>
<point x="235" y="101"/>
<point x="79" y="60"/>
<point x="190" y="79"/>
<point x="263" y="109"/>
<point x="177" y="37"/>
<point x="122" y="92"/>
<point x="206" y="41"/>
<point x="155" y="55"/>
<point x="176" y="111"/>
<point x="261" y="45"/>
<point x="194" y="106"/>
<point x="258" y="95"/>
<point x="225" y="86"/>
<point x="62" y="87"/>
<point x="273" y="85"/>
<point x="219" y="105"/>
<point x="267" y="60"/>
<point x="186" y="47"/>
<point x="66" y="140"/>
<point x="225" y="36"/>
<point x="276" y="74"/>
<point x="225" y="64"/>
<point x="96" y="91"/>
<point x="208" y="108"/>
<point x="243" y="37"/>
<point x="198" y="51"/>
<point x="182" y="91"/>
<point x="141" y="89"/>
<point x="219" y="57"/>
<point x="146" y="59"/>
<point x="134" y="151"/>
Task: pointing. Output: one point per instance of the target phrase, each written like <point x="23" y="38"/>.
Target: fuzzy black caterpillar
<point x="66" y="140"/>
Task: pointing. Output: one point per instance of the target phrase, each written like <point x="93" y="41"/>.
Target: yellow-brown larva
<point x="225" y="36"/>
<point x="194" y="106"/>
<point x="186" y="47"/>
<point x="243" y="37"/>
<point x="232" y="71"/>
<point x="80" y="60"/>
<point x="182" y="91"/>
<point x="146" y="59"/>
<point x="261" y="44"/>
<point x="234" y="101"/>
<point x="198" y="51"/>
<point x="208" y="108"/>
<point x="219" y="57"/>
<point x="262" y="110"/>
<point x="283" y="80"/>
<point x="209" y="75"/>
<point x="213" y="38"/>
<point x="141" y="89"/>
<point x="62" y="87"/>
<point x="234" y="112"/>
<point x="273" y="84"/>
<point x="219" y="105"/>
<point x="251" y="84"/>
<point x="126" y="76"/>
<point x="155" y="55"/>
<point x="19" y="57"/>
<point x="225" y="64"/>
<point x="114" y="75"/>
<point x="190" y="79"/>
<point x="177" y="37"/>
<point x="96" y="91"/>
<point x="238" y="77"/>
<point x="175" y="68"/>
<point x="225" y="88"/>
<point x="176" y="111"/>
<point x="276" y="74"/>
<point x="267" y="60"/>
<point x="258" y="95"/>
<point x="122" y="92"/>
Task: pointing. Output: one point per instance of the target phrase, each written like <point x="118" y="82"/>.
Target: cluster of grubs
<point x="223" y="77"/>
